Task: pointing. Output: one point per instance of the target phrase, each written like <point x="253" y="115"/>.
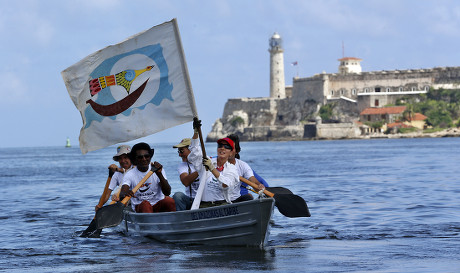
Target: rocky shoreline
<point x="450" y="132"/>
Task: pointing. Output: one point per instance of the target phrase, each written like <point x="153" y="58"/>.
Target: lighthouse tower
<point x="277" y="86"/>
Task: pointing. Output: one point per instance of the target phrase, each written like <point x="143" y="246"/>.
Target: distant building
<point x="350" y="65"/>
<point x="385" y="114"/>
<point x="417" y="121"/>
<point x="290" y="112"/>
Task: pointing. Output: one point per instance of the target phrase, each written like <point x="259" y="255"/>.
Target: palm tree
<point x="408" y="114"/>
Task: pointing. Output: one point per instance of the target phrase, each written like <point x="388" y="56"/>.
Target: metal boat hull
<point x="239" y="224"/>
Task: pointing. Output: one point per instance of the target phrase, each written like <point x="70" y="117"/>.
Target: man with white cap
<point x="122" y="157"/>
<point x="188" y="176"/>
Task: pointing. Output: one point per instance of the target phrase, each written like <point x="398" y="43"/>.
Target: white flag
<point x="132" y="89"/>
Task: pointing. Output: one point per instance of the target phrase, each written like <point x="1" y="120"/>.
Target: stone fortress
<point x="292" y="112"/>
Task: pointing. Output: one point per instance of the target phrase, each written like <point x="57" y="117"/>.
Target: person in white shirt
<point x="223" y="184"/>
<point x="122" y="157"/>
<point x="188" y="176"/>
<point x="153" y="196"/>
<point x="244" y="170"/>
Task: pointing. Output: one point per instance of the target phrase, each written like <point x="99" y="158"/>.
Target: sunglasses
<point x="146" y="156"/>
<point x="225" y="145"/>
<point x="181" y="150"/>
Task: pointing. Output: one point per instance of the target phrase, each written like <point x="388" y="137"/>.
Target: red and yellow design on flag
<point x="124" y="78"/>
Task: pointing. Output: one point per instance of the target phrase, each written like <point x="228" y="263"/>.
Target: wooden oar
<point x="290" y="205"/>
<point x="112" y="215"/>
<point x="92" y="228"/>
<point x="274" y="190"/>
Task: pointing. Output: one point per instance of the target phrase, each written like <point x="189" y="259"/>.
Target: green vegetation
<point x="441" y="106"/>
<point x="237" y="121"/>
<point x="432" y="130"/>
<point x="326" y="112"/>
<point x="407" y="130"/>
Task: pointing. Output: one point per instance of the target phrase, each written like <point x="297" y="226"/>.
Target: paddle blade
<point x="110" y="216"/>
<point x="91" y="231"/>
<point x="278" y="190"/>
<point x="291" y="205"/>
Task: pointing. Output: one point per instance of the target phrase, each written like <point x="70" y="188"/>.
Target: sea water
<point x="387" y="205"/>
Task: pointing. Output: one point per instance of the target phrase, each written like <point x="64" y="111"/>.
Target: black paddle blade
<point x="278" y="190"/>
<point x="110" y="216"/>
<point x="91" y="231"/>
<point x="291" y="205"/>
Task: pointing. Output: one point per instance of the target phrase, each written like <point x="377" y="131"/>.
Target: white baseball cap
<point x="122" y="149"/>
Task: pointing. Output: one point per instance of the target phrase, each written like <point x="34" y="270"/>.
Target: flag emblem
<point x="124" y="78"/>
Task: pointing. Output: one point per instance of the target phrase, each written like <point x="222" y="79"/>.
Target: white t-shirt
<point x="214" y="191"/>
<point x="117" y="179"/>
<point x="184" y="168"/>
<point x="243" y="168"/>
<point x="150" y="191"/>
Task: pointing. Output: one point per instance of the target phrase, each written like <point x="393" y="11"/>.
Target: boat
<point x="238" y="224"/>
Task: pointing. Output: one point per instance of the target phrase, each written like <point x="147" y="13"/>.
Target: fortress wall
<point x="291" y="112"/>
<point x="337" y="130"/>
<point x="320" y="86"/>
<point x="247" y="105"/>
<point x="380" y="80"/>
<point x="254" y="112"/>
<point x="446" y="75"/>
<point x="309" y="88"/>
<point x="344" y="110"/>
<point x="272" y="133"/>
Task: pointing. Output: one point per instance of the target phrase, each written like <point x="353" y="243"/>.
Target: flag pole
<point x="191" y="98"/>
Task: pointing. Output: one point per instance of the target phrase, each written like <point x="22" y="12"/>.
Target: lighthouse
<point x="277" y="86"/>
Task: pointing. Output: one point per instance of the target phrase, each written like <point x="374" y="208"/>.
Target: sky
<point x="225" y="44"/>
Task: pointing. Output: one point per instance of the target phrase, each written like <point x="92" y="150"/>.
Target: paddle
<point x="290" y="205"/>
<point x="112" y="215"/>
<point x="90" y="231"/>
<point x="274" y="190"/>
<point x="278" y="190"/>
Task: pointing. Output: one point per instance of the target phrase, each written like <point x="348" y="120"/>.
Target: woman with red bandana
<point x="223" y="185"/>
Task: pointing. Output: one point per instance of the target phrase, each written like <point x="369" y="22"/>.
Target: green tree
<point x="326" y="111"/>
<point x="237" y="121"/>
<point x="409" y="113"/>
<point x="439" y="119"/>
<point x="441" y="107"/>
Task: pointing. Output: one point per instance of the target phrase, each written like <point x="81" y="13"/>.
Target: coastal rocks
<point x="450" y="132"/>
<point x="263" y="119"/>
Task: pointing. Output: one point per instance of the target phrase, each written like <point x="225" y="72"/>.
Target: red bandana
<point x="220" y="169"/>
